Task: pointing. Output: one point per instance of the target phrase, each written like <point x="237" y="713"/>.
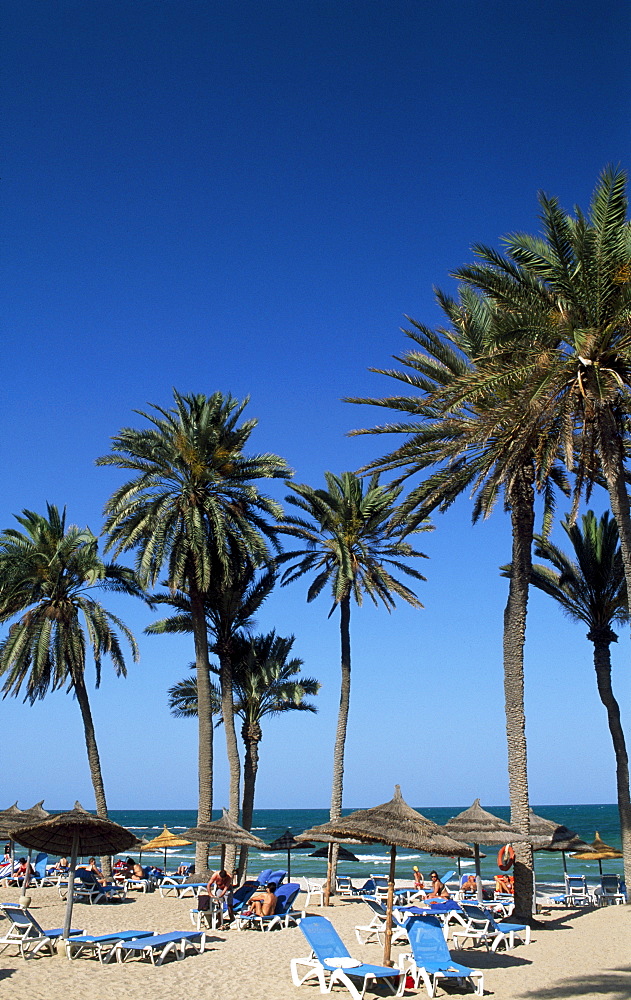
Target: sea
<point x="268" y="824"/>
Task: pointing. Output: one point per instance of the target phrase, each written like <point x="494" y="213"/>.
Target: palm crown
<point x="352" y="537"/>
<point x="48" y="571"/>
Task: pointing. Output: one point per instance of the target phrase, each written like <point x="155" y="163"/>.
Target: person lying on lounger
<point x="504" y="883"/>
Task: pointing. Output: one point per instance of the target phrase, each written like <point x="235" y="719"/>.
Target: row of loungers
<point x="25" y="934"/>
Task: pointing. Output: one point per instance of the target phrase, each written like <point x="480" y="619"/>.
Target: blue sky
<point x="250" y="197"/>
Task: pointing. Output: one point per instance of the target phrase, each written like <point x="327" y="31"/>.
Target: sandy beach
<point x="577" y="954"/>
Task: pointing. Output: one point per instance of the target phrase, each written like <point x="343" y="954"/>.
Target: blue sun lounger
<point x="158" y="946"/>
<point x="430" y="959"/>
<point x="329" y="955"/>
<point x="26" y="934"/>
<point x="102" y="945"/>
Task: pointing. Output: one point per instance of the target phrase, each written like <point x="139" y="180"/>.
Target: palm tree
<point x="266" y="683"/>
<point x="353" y="537"/>
<point x="483" y="445"/>
<point x="565" y="306"/>
<point x="48" y="573"/>
<point x="592" y="589"/>
<point x="192" y="504"/>
<point x="230" y="605"/>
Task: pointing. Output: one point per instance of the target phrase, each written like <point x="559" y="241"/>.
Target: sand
<point x="579" y="954"/>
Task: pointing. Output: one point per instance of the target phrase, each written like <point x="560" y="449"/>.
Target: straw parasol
<point x="165" y="840"/>
<point x="599" y="851"/>
<point x="225" y="831"/>
<point x="546" y="835"/>
<point x="396" y="824"/>
<point x="477" y="826"/>
<point x="287" y="842"/>
<point x="74" y="833"/>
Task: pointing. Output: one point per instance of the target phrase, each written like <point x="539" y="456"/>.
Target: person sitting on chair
<point x="470" y="885"/>
<point x="505" y="883"/>
<point x="96" y="871"/>
<point x="263" y="904"/>
<point x="439" y="889"/>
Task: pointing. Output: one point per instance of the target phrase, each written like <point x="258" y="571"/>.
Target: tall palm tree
<point x="484" y="446"/>
<point x="353" y="536"/>
<point x="230" y="605"/>
<point x="565" y="306"/>
<point x="191" y="505"/>
<point x="266" y="683"/>
<point x="48" y="574"/>
<point x="591" y="588"/>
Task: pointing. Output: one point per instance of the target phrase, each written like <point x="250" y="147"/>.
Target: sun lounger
<point x="329" y="956"/>
<point x="610" y="890"/>
<point x="372" y="933"/>
<point x="482" y="927"/>
<point x="430" y="959"/>
<point x="102" y="945"/>
<point x="87" y="888"/>
<point x="169" y="886"/>
<point x="157" y="947"/>
<point x="26" y="934"/>
<point x="283" y="914"/>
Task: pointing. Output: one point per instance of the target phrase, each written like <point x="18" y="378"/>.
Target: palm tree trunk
<point x="205" y="724"/>
<point x="224" y="652"/>
<point x="602" y="640"/>
<point x="340" y="736"/>
<point x="94" y="760"/>
<point x="612" y="459"/>
<point x="251" y="734"/>
<point x="522" y="523"/>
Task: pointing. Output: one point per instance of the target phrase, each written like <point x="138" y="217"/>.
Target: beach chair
<point x="311" y="887"/>
<point x="344" y="887"/>
<point x="264" y="877"/>
<point x="145" y="884"/>
<point x="430" y="959"/>
<point x="88" y="888"/>
<point x="329" y="956"/>
<point x="611" y="890"/>
<point x="158" y="946"/>
<point x="576" y="891"/>
<point x="481" y="927"/>
<point x="282" y="916"/>
<point x="372" y="933"/>
<point x="102" y="945"/>
<point x="26" y="934"/>
<point x="39" y="870"/>
<point x="169" y="885"/>
<point x="278" y="876"/>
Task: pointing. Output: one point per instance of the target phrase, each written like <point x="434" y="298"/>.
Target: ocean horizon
<point x="268" y="824"/>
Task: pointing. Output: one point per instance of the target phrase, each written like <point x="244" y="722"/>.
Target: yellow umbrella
<point x="165" y="840"/>
<point x="600" y="852"/>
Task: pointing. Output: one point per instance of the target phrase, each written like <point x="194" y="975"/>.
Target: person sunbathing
<point x="470" y="885"/>
<point x="439" y="889"/>
<point x="262" y="904"/>
<point x="505" y="883"/>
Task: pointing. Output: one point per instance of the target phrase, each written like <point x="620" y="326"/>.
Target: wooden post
<point x="70" y="899"/>
<point x="387" y="945"/>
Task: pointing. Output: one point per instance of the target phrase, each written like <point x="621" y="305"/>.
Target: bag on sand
<point x="203" y="902"/>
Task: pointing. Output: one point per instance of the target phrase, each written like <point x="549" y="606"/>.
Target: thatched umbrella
<point x="165" y="840"/>
<point x="477" y="826"/>
<point x="225" y="831"/>
<point x="74" y="833"/>
<point x="394" y="823"/>
<point x="599" y="851"/>
<point x="546" y="835"/>
<point x="287" y="842"/>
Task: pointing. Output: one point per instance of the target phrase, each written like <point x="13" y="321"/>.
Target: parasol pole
<point x="329" y="865"/>
<point x="70" y="899"/>
<point x="289" y="864"/>
<point x="387" y="944"/>
<point x="478" y="875"/>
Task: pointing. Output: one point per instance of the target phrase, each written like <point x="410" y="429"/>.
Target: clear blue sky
<point x="249" y="197"/>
